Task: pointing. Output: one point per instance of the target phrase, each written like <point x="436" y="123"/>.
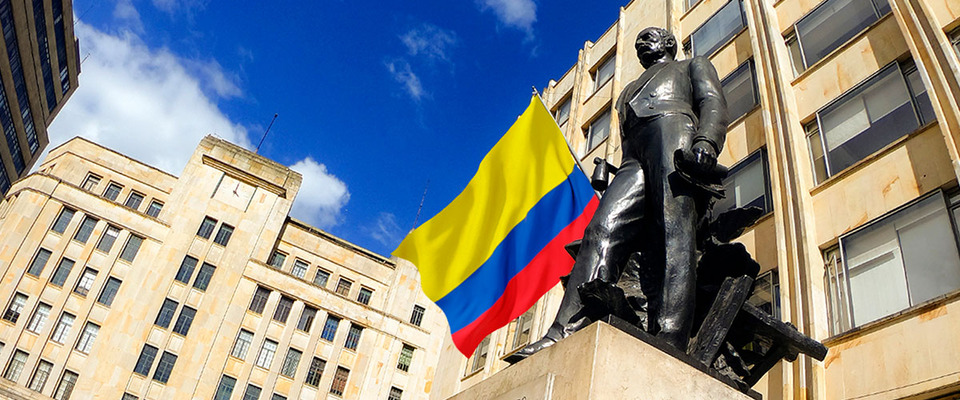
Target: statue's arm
<point x="709" y="103"/>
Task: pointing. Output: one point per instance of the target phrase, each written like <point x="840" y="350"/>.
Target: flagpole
<point x="576" y="158"/>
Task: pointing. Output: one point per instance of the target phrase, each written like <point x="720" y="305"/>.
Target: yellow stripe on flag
<point x="530" y="160"/>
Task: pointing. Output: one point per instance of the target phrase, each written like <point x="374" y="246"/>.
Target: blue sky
<point x="375" y="99"/>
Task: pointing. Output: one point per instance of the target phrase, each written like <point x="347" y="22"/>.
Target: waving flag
<point x="490" y="254"/>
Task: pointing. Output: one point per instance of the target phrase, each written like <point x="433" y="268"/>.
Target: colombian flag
<point x="490" y="254"/>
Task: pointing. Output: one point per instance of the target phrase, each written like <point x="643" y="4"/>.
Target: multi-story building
<point x="38" y="73"/>
<point x="120" y="281"/>
<point x="845" y="129"/>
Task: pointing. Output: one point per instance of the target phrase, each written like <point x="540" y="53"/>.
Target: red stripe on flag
<point x="541" y="274"/>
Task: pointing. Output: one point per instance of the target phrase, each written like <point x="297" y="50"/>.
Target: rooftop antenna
<point x="275" y="115"/>
<point x="417" y="219"/>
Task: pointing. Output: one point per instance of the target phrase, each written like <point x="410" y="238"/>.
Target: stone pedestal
<point x="602" y="362"/>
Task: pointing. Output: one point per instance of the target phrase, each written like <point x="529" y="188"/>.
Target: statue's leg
<point x="607" y="242"/>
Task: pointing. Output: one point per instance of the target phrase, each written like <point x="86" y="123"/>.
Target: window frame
<point x="62" y="272"/>
<point x="187" y="267"/>
<point x="185" y="320"/>
<point x="85" y="230"/>
<point x="223" y="235"/>
<point x="62" y="222"/>
<point x="12" y="315"/>
<point x="315" y="372"/>
<point x="207" y="227"/>
<point x="125" y="252"/>
<point x="761" y="156"/>
<point x="589" y="131"/>
<point x="241" y="345"/>
<point x="154" y="205"/>
<point x="134" y="197"/>
<point x="107" y="192"/>
<point x="204" y="276"/>
<point x="87" y="337"/>
<point x="106" y="298"/>
<point x="162" y="372"/>
<point x="146" y="358"/>
<point x="38" y="319"/>
<point x="85" y="283"/>
<point x="105" y="236"/>
<point x="726" y="39"/>
<point x="795" y="32"/>
<point x="611" y="57"/>
<point x="90" y="182"/>
<point x="62" y="330"/>
<point x="289" y="367"/>
<point x="35" y="269"/>
<point x="417" y="314"/>
<point x="282" y="313"/>
<point x="749" y="64"/>
<point x="265" y="356"/>
<point x="258" y="303"/>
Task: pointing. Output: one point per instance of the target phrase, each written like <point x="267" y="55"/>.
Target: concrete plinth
<point x="603" y="362"/>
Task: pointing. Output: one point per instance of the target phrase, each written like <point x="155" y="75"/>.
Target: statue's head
<point x="655" y="45"/>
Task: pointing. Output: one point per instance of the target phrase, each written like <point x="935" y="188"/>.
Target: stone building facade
<point x="845" y="129"/>
<point x="120" y="281"/>
<point x="39" y="67"/>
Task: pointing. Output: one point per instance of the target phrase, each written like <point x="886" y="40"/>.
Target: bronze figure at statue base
<point x="654" y="255"/>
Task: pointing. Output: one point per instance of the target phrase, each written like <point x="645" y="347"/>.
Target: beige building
<point x="120" y="281"/>
<point x="38" y="73"/>
<point x="845" y="128"/>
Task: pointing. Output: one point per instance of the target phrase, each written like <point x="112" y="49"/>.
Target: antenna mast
<point x="422" y="198"/>
<point x="275" y="115"/>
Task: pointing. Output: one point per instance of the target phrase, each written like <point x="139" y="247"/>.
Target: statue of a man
<point x="651" y="207"/>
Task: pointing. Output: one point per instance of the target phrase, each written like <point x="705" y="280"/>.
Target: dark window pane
<point x="252" y="392"/>
<point x="365" y="295"/>
<point x="225" y="388"/>
<point x="290" y="363"/>
<point x="60" y="225"/>
<point x="145" y="362"/>
<point x="15" y="308"/>
<point x="406" y="357"/>
<point x="131" y="248"/>
<point x="739" y="88"/>
<point x="747" y="185"/>
<point x="718" y="30"/>
<point x="133" y="200"/>
<point x="184" y="320"/>
<point x="598" y="131"/>
<point x="343" y="287"/>
<point x="259" y="299"/>
<point x="416" y="317"/>
<point x="315" y="372"/>
<point x="395" y="394"/>
<point x="283" y="309"/>
<point x="206" y="227"/>
<point x="164" y="367"/>
<point x="39" y="261"/>
<point x="330" y="328"/>
<point x="166" y="313"/>
<point x="62" y="272"/>
<point x="339" y="381"/>
<point x="154" y="209"/>
<point x="86" y="228"/>
<point x="277" y="259"/>
<point x="186" y="269"/>
<point x="306" y="318"/>
<point x="223" y="235"/>
<point x="113" y="191"/>
<point x="109" y="291"/>
<point x="321" y="278"/>
<point x="353" y="337"/>
<point x="204" y="276"/>
<point x="108" y="238"/>
<point x="831" y="25"/>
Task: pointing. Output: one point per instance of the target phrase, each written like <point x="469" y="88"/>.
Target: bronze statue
<point x="675" y="107"/>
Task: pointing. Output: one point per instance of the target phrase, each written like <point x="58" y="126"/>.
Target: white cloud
<point x="387" y="231"/>
<point x="402" y="73"/>
<point x="429" y="41"/>
<point x="145" y="102"/>
<point x="126" y="13"/>
<point x="321" y="195"/>
<point x="519" y="14"/>
<point x="180" y="6"/>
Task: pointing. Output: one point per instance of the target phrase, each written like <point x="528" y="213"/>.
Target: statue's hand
<point x="704" y="155"/>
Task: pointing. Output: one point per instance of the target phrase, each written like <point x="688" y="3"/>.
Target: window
<point x="604" y="72"/>
<point x="892" y="264"/>
<point x="131" y="248"/>
<point x="306" y="318"/>
<point x="339" y="381"/>
<point x="109" y="291"/>
<point x="186" y="269"/>
<point x="299" y="268"/>
<point x="85" y="282"/>
<point x="65" y="388"/>
<point x="353" y="336"/>
<point x="479" y="358"/>
<point x="39" y="318"/>
<point x="406" y="357"/>
<point x="416" y="317"/>
<point x="833" y="23"/>
<point x="133" y="200"/>
<point x="266" y="354"/>
<point x="688" y="4"/>
<point x="184" y="321"/>
<point x="321" y="278"/>
<point x="40" y="375"/>
<point x="154" y="208"/>
<point x="206" y="227"/>
<point x="395" y="394"/>
<point x="15" y="367"/>
<point x="289" y="368"/>
<point x="521" y="329"/>
<point x="740" y="90"/>
<point x="128" y="396"/>
<point x="252" y="392"/>
<point x="277" y="396"/>
<point x="747" y="185"/>
<point x="87" y="337"/>
<point x="343" y="287"/>
<point x="225" y="388"/>
<point x="109" y="236"/>
<point x="276" y="260"/>
<point x="365" y="295"/>
<point x="60" y="225"/>
<point x="164" y="367"/>
<point x="90" y="182"/>
<point x="15" y="308"/>
<point x="955" y="39"/>
<point x="204" y="276"/>
<point x="330" y="328"/>
<point x="223" y="235"/>
<point x="145" y="361"/>
<point x="62" y="272"/>
<point x="259" y="299"/>
<point x="242" y="345"/>
<point x="63" y="328"/>
<point x="113" y="191"/>
<point x="718" y="29"/>
<point x="562" y="114"/>
<point x="39" y="261"/>
<point x="315" y="371"/>
<point x="86" y="228"/>
<point x="166" y="313"/>
<point x="597" y="132"/>
<point x="870" y="116"/>
<point x="283" y="309"/>
<point x="766" y="293"/>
